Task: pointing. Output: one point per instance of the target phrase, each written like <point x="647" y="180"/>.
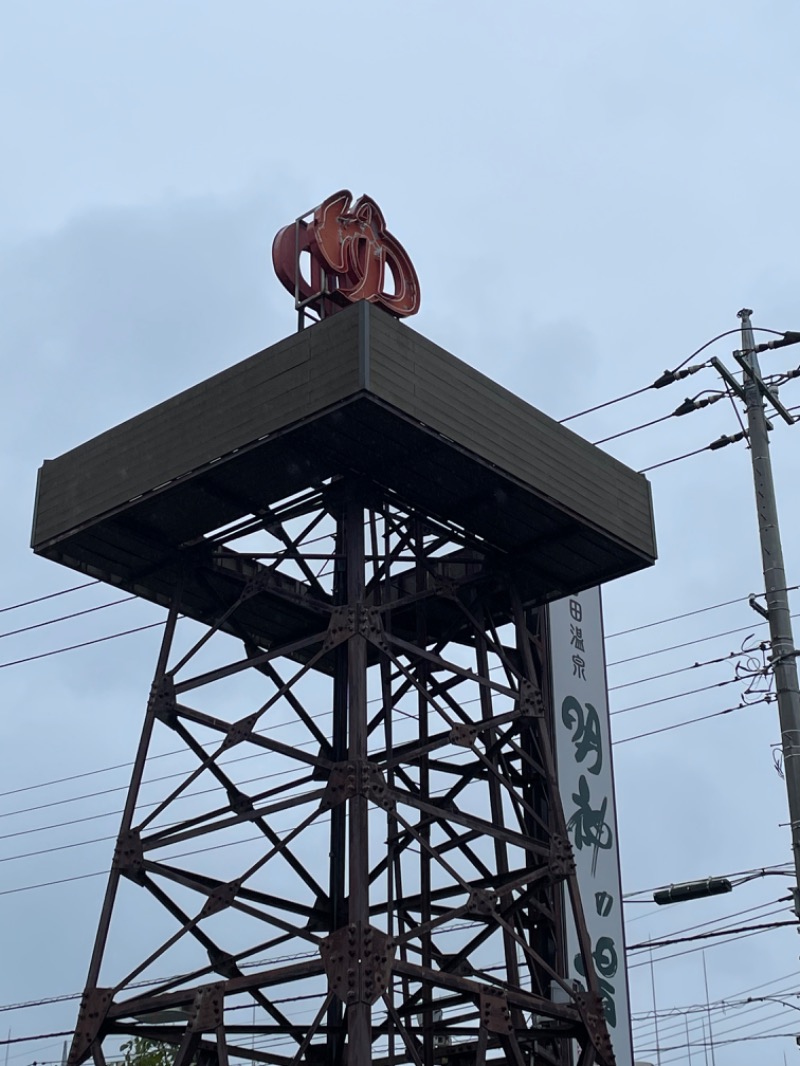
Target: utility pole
<point x="784" y="661"/>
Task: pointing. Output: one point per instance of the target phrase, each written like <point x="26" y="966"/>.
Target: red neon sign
<point x="351" y="256"/>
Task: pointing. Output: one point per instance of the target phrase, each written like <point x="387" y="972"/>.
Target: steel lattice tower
<point x="362" y="856"/>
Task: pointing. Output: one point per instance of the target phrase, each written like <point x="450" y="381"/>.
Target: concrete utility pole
<point x="784" y="659"/>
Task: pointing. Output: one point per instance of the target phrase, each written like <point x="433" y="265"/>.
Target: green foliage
<point x="141" y="1052"/>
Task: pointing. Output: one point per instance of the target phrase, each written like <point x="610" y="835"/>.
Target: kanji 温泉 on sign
<point x="350" y="256"/>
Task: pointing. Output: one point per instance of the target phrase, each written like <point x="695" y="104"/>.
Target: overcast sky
<point x="589" y="192"/>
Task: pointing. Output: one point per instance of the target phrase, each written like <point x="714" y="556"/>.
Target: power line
<point x="718" y="1043"/>
<point x="66" y="617"/>
<point x="273" y="726"/>
<point x="149" y="781"/>
<point x="685" y="669"/>
<point x="150" y="981"/>
<point x="680" y="1025"/>
<point x="634" y="429"/>
<point x="141" y="807"/>
<point x="83" y="644"/>
<point x="645" y="944"/>
<point x="145" y="806"/>
<point x="736" y="915"/>
<point x="690" y="643"/>
<point x="49" y="596"/>
<point x="668" y="377"/>
<point x="84" y="773"/>
<point x="719" y="1004"/>
<point x="691" y="951"/>
<point x="675" y="1018"/>
<point x="692" y="721"/>
<point x="608" y="403"/>
<point x="644" y="1030"/>
<point x="720" y="442"/>
<point x="153" y="625"/>
<point x="685" y="408"/>
<point x="678" y="695"/>
<point x="704" y="1041"/>
<point x="38" y="1036"/>
<point x="719" y="336"/>
<point x="687" y="614"/>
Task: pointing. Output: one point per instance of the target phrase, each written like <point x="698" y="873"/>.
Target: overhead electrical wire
<point x="125" y="599"/>
<point x="692" y="721"/>
<point x="48" y="596"/>
<point x="689" y="614"/>
<point x="686" y="669"/>
<point x="634" y="429"/>
<point x="640" y="1017"/>
<point x="66" y="617"/>
<point x="678" y="695"/>
<point x="720" y="442"/>
<point x="648" y="625"/>
<point x="690" y="643"/>
<point x="717" y="1042"/>
<point x="649" y="944"/>
<point x="643" y="1030"/>
<point x="140" y="807"/>
<point x="101" y="792"/>
<point x="718" y="1004"/>
<point x="144" y="806"/>
<point x="719" y="336"/>
<point x="700" y="1038"/>
<point x="673" y="1018"/>
<point x="84" y="773"/>
<point x="725" y="925"/>
<point x="38" y="1036"/>
<point x="644" y="1021"/>
<point x="669" y="376"/>
<point x="733" y="917"/>
<point x="608" y="403"/>
<point x="273" y="727"/>
<point x="693" y="1018"/>
<point x="691" y="951"/>
<point x="82" y="644"/>
<point x="685" y="408"/>
<point x="677" y="617"/>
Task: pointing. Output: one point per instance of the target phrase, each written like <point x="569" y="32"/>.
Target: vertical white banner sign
<point x="586" y="785"/>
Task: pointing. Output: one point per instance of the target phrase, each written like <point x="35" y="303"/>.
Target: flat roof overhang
<point x="357" y="395"/>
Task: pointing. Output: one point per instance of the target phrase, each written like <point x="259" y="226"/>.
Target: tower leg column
<point x="338" y="836"/>
<point x="359" y="1012"/>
